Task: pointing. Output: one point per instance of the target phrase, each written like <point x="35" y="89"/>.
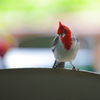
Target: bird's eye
<point x="65" y="31"/>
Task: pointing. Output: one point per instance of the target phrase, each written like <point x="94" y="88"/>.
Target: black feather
<point x="55" y="43"/>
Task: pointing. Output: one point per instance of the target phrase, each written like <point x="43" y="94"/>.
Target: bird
<point x="64" y="47"/>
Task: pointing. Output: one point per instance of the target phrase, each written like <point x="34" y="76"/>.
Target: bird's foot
<point x="73" y="68"/>
<point x="55" y="67"/>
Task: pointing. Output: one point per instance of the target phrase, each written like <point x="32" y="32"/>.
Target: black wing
<point x="55" y="43"/>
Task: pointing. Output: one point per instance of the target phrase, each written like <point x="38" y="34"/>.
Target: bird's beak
<point x="62" y="35"/>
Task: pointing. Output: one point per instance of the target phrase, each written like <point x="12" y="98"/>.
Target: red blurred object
<point x="4" y="46"/>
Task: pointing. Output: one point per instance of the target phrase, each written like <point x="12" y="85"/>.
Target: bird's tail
<point x="59" y="65"/>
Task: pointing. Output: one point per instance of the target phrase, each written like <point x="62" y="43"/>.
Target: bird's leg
<point x="58" y="64"/>
<point x="55" y="66"/>
<point x="73" y="66"/>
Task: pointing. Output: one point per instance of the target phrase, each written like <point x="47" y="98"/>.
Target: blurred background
<point x="28" y="27"/>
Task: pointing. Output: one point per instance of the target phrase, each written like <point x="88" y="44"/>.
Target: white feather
<point x="63" y="55"/>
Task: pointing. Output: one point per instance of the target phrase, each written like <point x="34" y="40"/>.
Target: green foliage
<point x="12" y="5"/>
<point x="27" y="12"/>
<point x="55" y="5"/>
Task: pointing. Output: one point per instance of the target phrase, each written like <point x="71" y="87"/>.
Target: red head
<point x="65" y="35"/>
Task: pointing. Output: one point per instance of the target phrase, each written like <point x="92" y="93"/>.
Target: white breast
<point x="63" y="55"/>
